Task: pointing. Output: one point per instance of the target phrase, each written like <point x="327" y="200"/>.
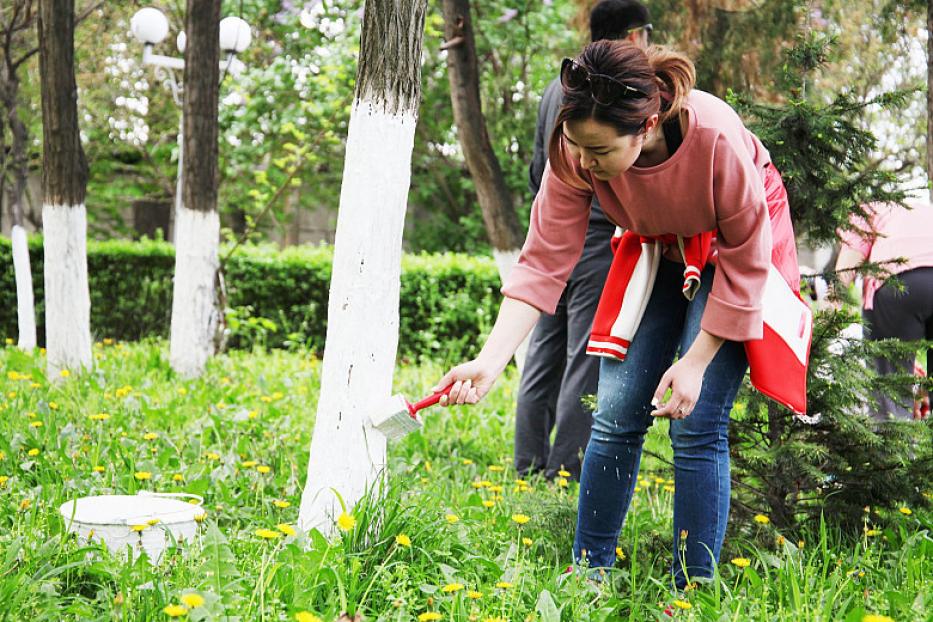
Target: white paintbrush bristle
<point x="393" y="419"/>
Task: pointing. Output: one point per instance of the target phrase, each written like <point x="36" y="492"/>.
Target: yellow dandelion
<point x="182" y="391"/>
<point x="33" y="452"/>
<point x="402" y="540"/>
<point x="53" y="405"/>
<point x="495" y="468"/>
<point x="563" y="473"/>
<point x="211" y="455"/>
<point x="874" y="617"/>
<point x="268" y="534"/>
<point x="200" y="518"/>
<point x="682" y="604"/>
<point x="99" y="468"/>
<point x="281" y="504"/>
<point x="452" y="587"/>
<point x="780" y="540"/>
<point x="742" y="562"/>
<point x="306" y="616"/>
<point x="668" y="489"/>
<point x="620" y="554"/>
<point x="287" y="529"/>
<point x="346" y="522"/>
<point x="64" y="373"/>
<point x="142" y="475"/>
<point x="35" y="424"/>
<point x="99" y="417"/>
<point x="175" y="611"/>
<point x="248" y="464"/>
<point x="521" y="519"/>
<point x="473" y="594"/>
<point x="800" y="544"/>
<point x="152" y="521"/>
<point x="482" y="484"/>
<point x="637" y="489"/>
<point x="496" y="619"/>
<point x="563" y="482"/>
<point x="504" y="585"/>
<point x="178" y="477"/>
<point x="429" y="616"/>
<point x="761" y="519"/>
<point x="252" y="414"/>
<point x="451" y="518"/>
<point x="871" y="533"/>
<point x="467" y="462"/>
<point x="4" y="479"/>
<point x="488" y="504"/>
<point x="138" y="528"/>
<point x="905" y="511"/>
<point x="496" y="489"/>
<point x="9" y="341"/>
<point x="24" y="504"/>
<point x="264" y="469"/>
<point x="150" y="436"/>
<point x="527" y="541"/>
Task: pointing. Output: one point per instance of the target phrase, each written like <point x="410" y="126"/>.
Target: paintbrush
<point x="396" y="417"/>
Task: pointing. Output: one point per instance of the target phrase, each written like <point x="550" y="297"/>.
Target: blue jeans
<point x="700" y="441"/>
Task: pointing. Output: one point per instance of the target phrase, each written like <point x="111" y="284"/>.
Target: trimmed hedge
<point x="276" y="298"/>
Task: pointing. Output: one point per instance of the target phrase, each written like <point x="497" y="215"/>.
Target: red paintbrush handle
<point x="431" y="400"/>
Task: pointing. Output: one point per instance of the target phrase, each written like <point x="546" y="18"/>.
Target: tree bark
<point x="64" y="183"/>
<point x="499" y="214"/>
<point x="347" y="455"/>
<point x="197" y="226"/>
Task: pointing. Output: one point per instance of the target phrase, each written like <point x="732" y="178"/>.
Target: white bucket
<point x="111" y="519"/>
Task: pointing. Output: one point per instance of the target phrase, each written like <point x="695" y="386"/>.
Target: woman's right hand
<point x="472" y="381"/>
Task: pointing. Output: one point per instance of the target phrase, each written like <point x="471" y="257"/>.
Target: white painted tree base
<point x="194" y="310"/>
<point x="504" y="262"/>
<point x="347" y="454"/>
<point x="67" y="299"/>
<point x="25" y="302"/>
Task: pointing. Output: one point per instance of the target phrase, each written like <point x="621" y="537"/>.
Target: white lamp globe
<point x="181" y="41"/>
<point x="235" y="35"/>
<point x="149" y="25"/>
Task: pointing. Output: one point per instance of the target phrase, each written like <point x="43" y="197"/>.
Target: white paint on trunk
<point x="67" y="299"/>
<point x="504" y="262"/>
<point x="25" y="302"/>
<point x="194" y="310"/>
<point x="347" y="454"/>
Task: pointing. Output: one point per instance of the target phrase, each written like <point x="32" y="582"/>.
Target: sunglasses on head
<point x="605" y="90"/>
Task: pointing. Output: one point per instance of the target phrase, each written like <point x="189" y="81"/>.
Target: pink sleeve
<point x="733" y="310"/>
<point x="559" y="219"/>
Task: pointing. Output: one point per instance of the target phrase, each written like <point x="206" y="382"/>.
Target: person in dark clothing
<point x="557" y="371"/>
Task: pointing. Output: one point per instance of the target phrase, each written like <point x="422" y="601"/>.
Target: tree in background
<point x="64" y="181"/>
<point x="197" y="225"/>
<point x="347" y="456"/>
<point x="16" y="23"/>
<point x="840" y="463"/>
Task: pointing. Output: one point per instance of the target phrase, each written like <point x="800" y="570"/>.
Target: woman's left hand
<point x="685" y="379"/>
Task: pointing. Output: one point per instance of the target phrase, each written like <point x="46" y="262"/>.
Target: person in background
<point x="558" y="372"/>
<point x="893" y="232"/>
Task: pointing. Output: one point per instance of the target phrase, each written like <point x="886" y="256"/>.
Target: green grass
<point x="259" y="408"/>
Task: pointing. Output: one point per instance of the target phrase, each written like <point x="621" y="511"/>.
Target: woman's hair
<point x="663" y="75"/>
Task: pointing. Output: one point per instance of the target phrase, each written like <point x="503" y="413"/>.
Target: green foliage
<point x="782" y="467"/>
<point x="274" y="298"/>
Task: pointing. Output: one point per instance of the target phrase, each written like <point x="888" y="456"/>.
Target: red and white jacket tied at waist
<point x="777" y="362"/>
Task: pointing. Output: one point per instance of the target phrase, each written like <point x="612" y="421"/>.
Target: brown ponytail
<point x="677" y="77"/>
<point x="663" y="75"/>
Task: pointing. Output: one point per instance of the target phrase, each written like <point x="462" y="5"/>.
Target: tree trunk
<point x="25" y="301"/>
<point x="930" y="97"/>
<point x="347" y="455"/>
<point x="197" y="226"/>
<point x="64" y="183"/>
<point x="499" y="216"/>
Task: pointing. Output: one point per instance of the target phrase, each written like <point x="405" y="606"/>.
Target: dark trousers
<point x="557" y="374"/>
<point x="906" y="315"/>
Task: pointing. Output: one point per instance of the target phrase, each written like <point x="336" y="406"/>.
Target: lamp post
<point x="150" y="27"/>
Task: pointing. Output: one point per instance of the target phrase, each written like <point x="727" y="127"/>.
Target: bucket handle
<point x="172" y="495"/>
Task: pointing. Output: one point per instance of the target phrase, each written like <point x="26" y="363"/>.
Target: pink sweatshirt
<point x="892" y="232"/>
<point x="714" y="181"/>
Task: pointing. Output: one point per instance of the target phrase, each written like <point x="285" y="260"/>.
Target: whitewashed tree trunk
<point x="64" y="183"/>
<point x="194" y="306"/>
<point x="347" y="455"/>
<point x="505" y="260"/>
<point x="67" y="299"/>
<point x="197" y="225"/>
<point x="25" y="302"/>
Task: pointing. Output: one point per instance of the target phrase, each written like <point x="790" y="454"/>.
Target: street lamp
<point x="150" y="27"/>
